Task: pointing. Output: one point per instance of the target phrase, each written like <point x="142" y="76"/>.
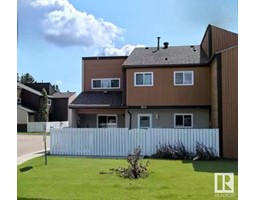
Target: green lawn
<point x="79" y="178"/>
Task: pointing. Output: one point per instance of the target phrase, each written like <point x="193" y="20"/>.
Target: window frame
<point x="183" y="84"/>
<point x="182" y="114"/>
<point x="49" y="102"/>
<point x="150" y="120"/>
<point x="143" y="74"/>
<point x="108" y="115"/>
<point x="105" y="79"/>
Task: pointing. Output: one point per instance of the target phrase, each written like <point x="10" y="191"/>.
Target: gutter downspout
<point x="130" y="119"/>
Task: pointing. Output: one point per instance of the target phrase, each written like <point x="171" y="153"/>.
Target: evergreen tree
<point x="43" y="108"/>
<point x="26" y="78"/>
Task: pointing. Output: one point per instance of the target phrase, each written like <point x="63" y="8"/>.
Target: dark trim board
<point x="210" y="41"/>
<point x="219" y="88"/>
<point x="103" y="57"/>
<point x="166" y="66"/>
<point x="170" y="107"/>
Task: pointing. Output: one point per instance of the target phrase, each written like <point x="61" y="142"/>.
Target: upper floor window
<point x="183" y="120"/>
<point x="106" y="83"/>
<point x="18" y="100"/>
<point x="183" y="78"/>
<point x="143" y="78"/>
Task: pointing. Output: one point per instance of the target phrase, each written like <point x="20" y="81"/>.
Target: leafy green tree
<point x="26" y="78"/>
<point x="43" y="108"/>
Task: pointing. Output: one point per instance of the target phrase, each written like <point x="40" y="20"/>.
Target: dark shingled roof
<point x="22" y="86"/>
<point x="63" y="94"/>
<point x="173" y="55"/>
<point x="111" y="99"/>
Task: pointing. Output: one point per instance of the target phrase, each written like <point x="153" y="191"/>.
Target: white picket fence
<point x="121" y="141"/>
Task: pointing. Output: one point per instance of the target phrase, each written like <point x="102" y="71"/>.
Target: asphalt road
<point x="30" y="143"/>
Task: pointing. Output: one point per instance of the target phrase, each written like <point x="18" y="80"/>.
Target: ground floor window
<point x="144" y="121"/>
<point x="107" y="121"/>
<point x="183" y="120"/>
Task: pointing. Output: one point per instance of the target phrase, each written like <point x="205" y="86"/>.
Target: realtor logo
<point x="224" y="182"/>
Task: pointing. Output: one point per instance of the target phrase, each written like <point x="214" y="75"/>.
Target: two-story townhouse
<point x="166" y="86"/>
<point x="100" y="103"/>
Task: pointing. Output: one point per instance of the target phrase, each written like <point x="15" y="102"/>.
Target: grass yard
<point x="79" y="178"/>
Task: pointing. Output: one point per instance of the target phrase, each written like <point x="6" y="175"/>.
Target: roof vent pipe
<point x="158" y="42"/>
<point x="166" y="45"/>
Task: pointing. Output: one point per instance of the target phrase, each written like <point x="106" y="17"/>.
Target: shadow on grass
<point x="43" y="152"/>
<point x="33" y="198"/>
<point x="216" y="166"/>
<point x="25" y="169"/>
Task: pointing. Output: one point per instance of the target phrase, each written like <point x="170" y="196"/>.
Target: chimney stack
<point x="158" y="42"/>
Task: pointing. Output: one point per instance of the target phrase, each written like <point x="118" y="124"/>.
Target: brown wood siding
<point x="163" y="92"/>
<point x="102" y="68"/>
<point x="222" y="39"/>
<point x="100" y="111"/>
<point x="214" y="96"/>
<point x="230" y="102"/>
<point x="205" y="43"/>
<point x="30" y="100"/>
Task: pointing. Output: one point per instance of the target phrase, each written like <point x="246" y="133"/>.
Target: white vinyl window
<point x="183" y="78"/>
<point x="144" y="120"/>
<point x="105" y="83"/>
<point x="107" y="121"/>
<point x="183" y="120"/>
<point x="143" y="78"/>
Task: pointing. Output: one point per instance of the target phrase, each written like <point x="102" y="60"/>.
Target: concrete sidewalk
<point x="26" y="157"/>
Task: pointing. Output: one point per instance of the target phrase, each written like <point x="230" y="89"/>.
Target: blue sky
<point x="54" y="35"/>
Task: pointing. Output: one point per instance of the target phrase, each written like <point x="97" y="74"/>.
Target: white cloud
<point x="58" y="82"/>
<point x="38" y="3"/>
<point x="125" y="50"/>
<point x="64" y="25"/>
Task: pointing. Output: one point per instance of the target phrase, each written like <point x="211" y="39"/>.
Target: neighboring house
<point x="39" y="87"/>
<point x="28" y="102"/>
<point x="166" y="86"/>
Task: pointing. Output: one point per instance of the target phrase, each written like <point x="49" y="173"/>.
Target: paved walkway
<point x="23" y="158"/>
<point x="30" y="146"/>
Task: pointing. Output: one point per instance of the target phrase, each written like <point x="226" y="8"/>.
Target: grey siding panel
<point x="90" y="121"/>
<point x="166" y="117"/>
<point x="121" y="121"/>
